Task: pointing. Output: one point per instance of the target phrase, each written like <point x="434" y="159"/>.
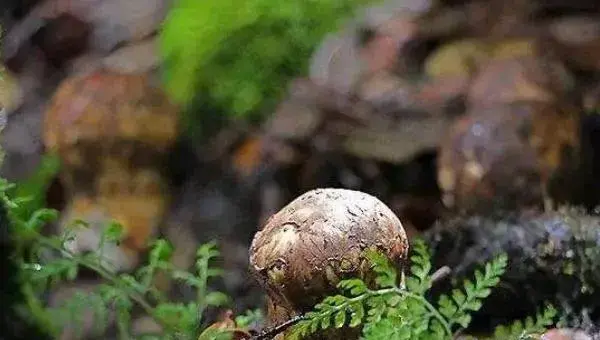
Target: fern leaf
<point x="456" y="309"/>
<point x="419" y="281"/>
<point x="386" y="273"/>
<point x="354" y="286"/>
<point x="527" y="329"/>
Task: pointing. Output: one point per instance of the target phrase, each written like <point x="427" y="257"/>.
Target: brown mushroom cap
<point x="485" y="158"/>
<point x="108" y="121"/>
<point x="505" y="154"/>
<point x="108" y="107"/>
<point x="318" y="239"/>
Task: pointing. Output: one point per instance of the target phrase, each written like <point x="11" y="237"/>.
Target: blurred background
<point x="196" y="120"/>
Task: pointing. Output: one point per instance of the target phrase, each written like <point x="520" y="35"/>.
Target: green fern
<point x="529" y="328"/>
<point x="457" y="307"/>
<point x="399" y="310"/>
<point x="124" y="291"/>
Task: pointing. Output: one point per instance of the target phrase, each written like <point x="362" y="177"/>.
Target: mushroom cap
<point x="108" y="108"/>
<point x="486" y="159"/>
<point x="504" y="155"/>
<point x="318" y="239"/>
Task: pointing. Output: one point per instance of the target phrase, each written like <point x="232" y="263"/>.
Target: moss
<point x="240" y="54"/>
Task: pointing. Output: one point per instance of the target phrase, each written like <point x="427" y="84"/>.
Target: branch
<point x="270" y="333"/>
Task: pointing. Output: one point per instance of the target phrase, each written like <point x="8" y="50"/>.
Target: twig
<point x="440" y="274"/>
<point x="270" y="333"/>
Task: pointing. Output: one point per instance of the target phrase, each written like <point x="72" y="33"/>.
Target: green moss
<point x="241" y="54"/>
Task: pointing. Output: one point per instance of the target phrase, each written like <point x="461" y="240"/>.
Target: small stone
<point x="578" y="40"/>
<point x="134" y="58"/>
<point x="117" y="21"/>
<point x="459" y="58"/>
<point x="526" y="78"/>
<point x="565" y="334"/>
<point x="11" y="95"/>
<point x="336" y="63"/>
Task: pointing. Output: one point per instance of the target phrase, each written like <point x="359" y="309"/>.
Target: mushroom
<point x="112" y="132"/>
<point x="315" y="241"/>
<point x="506" y="156"/>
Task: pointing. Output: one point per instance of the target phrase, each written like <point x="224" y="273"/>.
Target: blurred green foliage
<point x="241" y="54"/>
<point x="31" y="191"/>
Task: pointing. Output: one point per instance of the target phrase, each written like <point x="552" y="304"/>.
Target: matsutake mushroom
<point x="112" y="132"/>
<point x="317" y="240"/>
<point x="509" y="157"/>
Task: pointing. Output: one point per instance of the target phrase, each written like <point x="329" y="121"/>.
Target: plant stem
<point x="399" y="291"/>
<point x="431" y="309"/>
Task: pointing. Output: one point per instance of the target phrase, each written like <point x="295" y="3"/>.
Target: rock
<point x="591" y="98"/>
<point x="11" y="94"/>
<point x="138" y="57"/>
<point x="22" y="141"/>
<point x="514" y="48"/>
<point x="382" y="50"/>
<point x="387" y="92"/>
<point x="336" y="63"/>
<point x="559" y="248"/>
<point x="578" y="39"/>
<point x="527" y="78"/>
<point x="298" y="116"/>
<point x="117" y="21"/>
<point x="459" y="58"/>
<point x="565" y="334"/>
<point x="381" y="14"/>
<point x="86" y="64"/>
<point x="444" y="94"/>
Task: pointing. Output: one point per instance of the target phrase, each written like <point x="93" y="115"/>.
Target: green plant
<point x="241" y="54"/>
<point x="528" y="329"/>
<point x="32" y="190"/>
<point x="398" y="309"/>
<point x="394" y="307"/>
<point x="120" y="292"/>
<point x="180" y="320"/>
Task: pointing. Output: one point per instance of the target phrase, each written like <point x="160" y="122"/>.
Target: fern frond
<point x="529" y="328"/>
<point x="456" y="308"/>
<point x="385" y="271"/>
<point x="420" y="280"/>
